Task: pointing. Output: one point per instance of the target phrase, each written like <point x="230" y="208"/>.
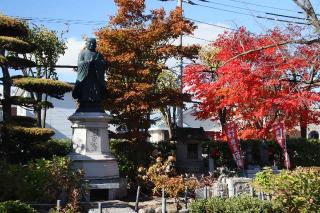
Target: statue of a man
<point x="90" y="88"/>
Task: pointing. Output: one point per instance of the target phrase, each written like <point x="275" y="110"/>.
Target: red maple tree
<point x="257" y="86"/>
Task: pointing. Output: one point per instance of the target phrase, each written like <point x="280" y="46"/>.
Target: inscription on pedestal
<point x="93" y="141"/>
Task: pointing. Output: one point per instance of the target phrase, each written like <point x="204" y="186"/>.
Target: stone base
<point x="115" y="188"/>
<point x="96" y="166"/>
<point x="91" y="154"/>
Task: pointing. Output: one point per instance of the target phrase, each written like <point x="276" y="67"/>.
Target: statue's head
<point x="91" y="44"/>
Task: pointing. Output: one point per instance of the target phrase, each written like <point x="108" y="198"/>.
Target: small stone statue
<point x="90" y="87"/>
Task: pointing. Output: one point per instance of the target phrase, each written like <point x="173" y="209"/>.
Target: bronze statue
<point x="90" y="87"/>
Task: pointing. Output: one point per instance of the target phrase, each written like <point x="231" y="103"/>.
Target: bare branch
<point x="307" y="7"/>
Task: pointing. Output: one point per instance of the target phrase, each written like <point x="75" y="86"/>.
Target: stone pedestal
<point x="91" y="153"/>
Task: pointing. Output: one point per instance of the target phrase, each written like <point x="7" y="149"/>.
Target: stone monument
<point x="90" y="138"/>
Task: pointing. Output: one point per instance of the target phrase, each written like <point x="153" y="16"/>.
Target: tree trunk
<point x="167" y="120"/>
<point x="222" y="117"/>
<point x="44" y="117"/>
<point x="303" y="129"/>
<point x="6" y="103"/>
<point x="37" y="110"/>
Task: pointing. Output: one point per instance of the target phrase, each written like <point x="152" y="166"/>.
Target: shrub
<point x="163" y="175"/>
<point x="52" y="147"/>
<point x="14" y="44"/>
<point x="22" y="144"/>
<point x="41" y="180"/>
<point x="15" y="207"/>
<point x="302" y="152"/>
<point x="295" y="191"/>
<point x="41" y="85"/>
<point x="19" y="63"/>
<point x="235" y="204"/>
<point x="131" y="156"/>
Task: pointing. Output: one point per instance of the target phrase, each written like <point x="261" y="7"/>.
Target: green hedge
<point x="47" y="86"/>
<point x="30" y="102"/>
<point x="25" y="121"/>
<point x="15" y="206"/>
<point x="302" y="152"/>
<point x="19" y="63"/>
<point x="239" y="204"/>
<point x="28" y="133"/>
<point x="21" y="146"/>
<point x="15" y="45"/>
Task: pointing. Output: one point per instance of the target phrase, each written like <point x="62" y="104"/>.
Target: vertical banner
<point x="233" y="142"/>
<point x="279" y="135"/>
<point x="278" y="132"/>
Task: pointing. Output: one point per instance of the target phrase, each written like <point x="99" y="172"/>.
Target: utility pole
<point x="179" y="109"/>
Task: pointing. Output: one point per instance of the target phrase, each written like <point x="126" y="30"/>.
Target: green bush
<point x="52" y="147"/>
<point x="15" y="44"/>
<point x="15" y="207"/>
<point x="239" y="204"/>
<point x="21" y="144"/>
<point x="41" y="85"/>
<point x="295" y="191"/>
<point x="38" y="181"/>
<point x="302" y="152"/>
<point x="131" y="156"/>
<point x="19" y="63"/>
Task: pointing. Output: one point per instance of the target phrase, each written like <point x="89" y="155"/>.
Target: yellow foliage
<point x="12" y="27"/>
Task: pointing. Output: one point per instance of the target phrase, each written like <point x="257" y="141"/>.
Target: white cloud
<point x="205" y="32"/>
<point x="71" y="55"/>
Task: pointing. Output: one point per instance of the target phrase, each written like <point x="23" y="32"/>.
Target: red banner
<point x="279" y="135"/>
<point x="278" y="132"/>
<point x="233" y="142"/>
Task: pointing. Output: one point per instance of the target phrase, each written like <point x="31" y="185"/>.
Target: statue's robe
<point x="90" y="87"/>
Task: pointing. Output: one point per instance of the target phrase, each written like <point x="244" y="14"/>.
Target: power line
<point x="281" y="20"/>
<point x="286" y="16"/>
<point x="228" y="5"/>
<point x="247" y="14"/>
<point x="259" y="5"/>
<point x="198" y="38"/>
<point x="252" y="10"/>
<point x="214" y="25"/>
<point x="62" y="21"/>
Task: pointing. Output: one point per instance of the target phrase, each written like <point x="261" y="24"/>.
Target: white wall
<point x="193" y="122"/>
<point x="57" y="117"/>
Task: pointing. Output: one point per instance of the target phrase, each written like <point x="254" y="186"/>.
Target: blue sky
<point x="85" y="17"/>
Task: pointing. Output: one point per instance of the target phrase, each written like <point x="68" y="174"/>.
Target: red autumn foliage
<point x="258" y="88"/>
